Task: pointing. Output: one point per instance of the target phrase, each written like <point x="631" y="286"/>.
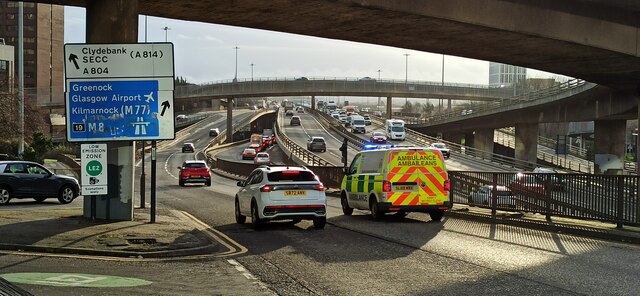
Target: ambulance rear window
<point x="289" y="176"/>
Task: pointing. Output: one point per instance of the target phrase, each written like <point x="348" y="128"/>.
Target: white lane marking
<point x="241" y="269"/>
<point x="166" y="165"/>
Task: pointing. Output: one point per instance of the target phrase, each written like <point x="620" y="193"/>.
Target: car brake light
<point x="290" y="172"/>
<point x="319" y="187"/>
<point x="386" y="186"/>
<point x="266" y="188"/>
<point x="447" y="185"/>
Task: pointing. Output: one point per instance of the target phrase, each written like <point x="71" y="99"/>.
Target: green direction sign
<point x="73" y="280"/>
<point x="94" y="168"/>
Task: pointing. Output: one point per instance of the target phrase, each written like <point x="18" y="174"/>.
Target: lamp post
<point x="166" y="31"/>
<point x="235" y="77"/>
<point x="406" y="72"/>
<point x="252" y="64"/>
<point x="378" y="103"/>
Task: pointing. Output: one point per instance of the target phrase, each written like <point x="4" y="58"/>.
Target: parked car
<point x="194" y="171"/>
<point x="25" y="179"/>
<point x="443" y="149"/>
<point x="281" y="193"/>
<point x="317" y="144"/>
<point x="378" y="138"/>
<point x="262" y="158"/>
<point x="295" y="120"/>
<point x="484" y="194"/>
<point x="188" y="147"/>
<point x="214" y="132"/>
<point x="288" y="113"/>
<point x="557" y="182"/>
<point x="248" y="153"/>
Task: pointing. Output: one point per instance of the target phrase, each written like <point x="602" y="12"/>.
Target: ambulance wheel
<point x="436" y="216"/>
<point x="345" y="205"/>
<point x="375" y="210"/>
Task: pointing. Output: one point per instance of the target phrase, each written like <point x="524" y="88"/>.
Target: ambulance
<point x="384" y="179"/>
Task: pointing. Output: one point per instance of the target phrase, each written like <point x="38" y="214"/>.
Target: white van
<point x="358" y="124"/>
<point x="394" y="128"/>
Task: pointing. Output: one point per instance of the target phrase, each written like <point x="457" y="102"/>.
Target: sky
<point x="205" y="53"/>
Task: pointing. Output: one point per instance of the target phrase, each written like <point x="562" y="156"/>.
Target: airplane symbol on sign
<point x="149" y="97"/>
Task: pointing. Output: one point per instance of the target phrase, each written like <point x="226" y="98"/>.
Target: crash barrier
<point x="607" y="198"/>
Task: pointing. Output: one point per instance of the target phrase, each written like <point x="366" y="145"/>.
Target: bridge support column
<point x="610" y="145"/>
<point x="483" y="141"/>
<point x="230" y="102"/>
<point x="114" y="21"/>
<point x="448" y="104"/>
<point x="526" y="144"/>
<point x="389" y="109"/>
<point x="313" y="102"/>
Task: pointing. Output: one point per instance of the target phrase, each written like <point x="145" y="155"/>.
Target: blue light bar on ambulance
<point x="367" y="147"/>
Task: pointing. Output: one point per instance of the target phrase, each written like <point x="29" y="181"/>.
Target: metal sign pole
<point x="153" y="181"/>
<point x="143" y="178"/>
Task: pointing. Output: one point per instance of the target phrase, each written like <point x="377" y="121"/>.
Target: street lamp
<point x="252" y="64"/>
<point x="235" y="78"/>
<point x="166" y="30"/>
<point x="378" y="103"/>
<point x="406" y="72"/>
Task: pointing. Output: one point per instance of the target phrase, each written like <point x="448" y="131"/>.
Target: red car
<point x="194" y="171"/>
<point x="249" y="153"/>
<point x="378" y="138"/>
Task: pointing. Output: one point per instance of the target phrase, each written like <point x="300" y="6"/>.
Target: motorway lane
<point x="355" y="255"/>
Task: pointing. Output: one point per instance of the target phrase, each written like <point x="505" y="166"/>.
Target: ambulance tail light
<point x="386" y="186"/>
<point x="447" y="185"/>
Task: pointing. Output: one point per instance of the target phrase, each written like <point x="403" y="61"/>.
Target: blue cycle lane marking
<point x="114" y="109"/>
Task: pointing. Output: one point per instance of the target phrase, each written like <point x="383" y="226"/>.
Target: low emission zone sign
<point x="93" y="161"/>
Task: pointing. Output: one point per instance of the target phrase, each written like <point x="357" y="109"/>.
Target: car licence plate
<point x="295" y="192"/>
<point x="195" y="176"/>
<point x="404" y="188"/>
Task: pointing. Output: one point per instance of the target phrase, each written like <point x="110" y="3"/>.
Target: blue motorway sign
<point x="117" y="110"/>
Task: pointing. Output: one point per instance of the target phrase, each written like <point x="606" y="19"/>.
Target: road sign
<point x="125" y="109"/>
<point x="140" y="60"/>
<point x="93" y="161"/>
<point x="119" y="92"/>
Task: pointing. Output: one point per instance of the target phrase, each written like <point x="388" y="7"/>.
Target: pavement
<point x="64" y="230"/>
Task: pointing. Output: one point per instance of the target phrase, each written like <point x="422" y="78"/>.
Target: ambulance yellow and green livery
<point x="397" y="179"/>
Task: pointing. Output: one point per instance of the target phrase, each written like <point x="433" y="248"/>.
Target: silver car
<point x="317" y="144"/>
<point x="483" y="195"/>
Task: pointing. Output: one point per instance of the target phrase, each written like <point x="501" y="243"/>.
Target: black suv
<point x="295" y="120"/>
<point x="25" y="179"/>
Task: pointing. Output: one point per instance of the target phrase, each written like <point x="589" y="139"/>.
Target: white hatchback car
<point x="281" y="193"/>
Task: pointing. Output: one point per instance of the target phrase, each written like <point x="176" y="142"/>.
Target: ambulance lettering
<point x="417" y="178"/>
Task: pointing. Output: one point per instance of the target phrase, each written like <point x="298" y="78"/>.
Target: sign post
<point x="118" y="92"/>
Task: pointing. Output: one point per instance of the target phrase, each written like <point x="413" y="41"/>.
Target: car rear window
<point x="291" y="176"/>
<point x="318" y="140"/>
<point x="195" y="165"/>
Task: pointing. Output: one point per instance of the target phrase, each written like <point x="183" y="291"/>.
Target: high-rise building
<point x="43" y="39"/>
<point x="501" y="75"/>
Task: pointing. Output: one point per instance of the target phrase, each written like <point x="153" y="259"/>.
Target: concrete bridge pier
<point x="389" y="109"/>
<point x="313" y="102"/>
<point x="483" y="141"/>
<point x="526" y="145"/>
<point x="230" y="102"/>
<point x="610" y="146"/>
<point x="449" y="104"/>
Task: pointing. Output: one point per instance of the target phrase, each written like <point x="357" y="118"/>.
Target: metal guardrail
<point x="490" y="107"/>
<point x="609" y="198"/>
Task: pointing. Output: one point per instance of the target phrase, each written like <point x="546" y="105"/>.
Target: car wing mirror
<point x="346" y="171"/>
<point x="239" y="184"/>
<point x="179" y="168"/>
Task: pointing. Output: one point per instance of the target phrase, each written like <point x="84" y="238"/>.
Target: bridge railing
<point x="606" y="198"/>
<point x="491" y="107"/>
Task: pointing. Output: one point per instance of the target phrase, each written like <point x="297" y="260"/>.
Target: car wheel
<point x="39" y="199"/>
<point x="207" y="184"/>
<point x="346" y="209"/>
<point x="375" y="210"/>
<point x="240" y="219"/>
<point x="181" y="183"/>
<point x="436" y="216"/>
<point x="319" y="222"/>
<point x="66" y="195"/>
<point x="5" y="195"/>
<point x="255" y="218"/>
